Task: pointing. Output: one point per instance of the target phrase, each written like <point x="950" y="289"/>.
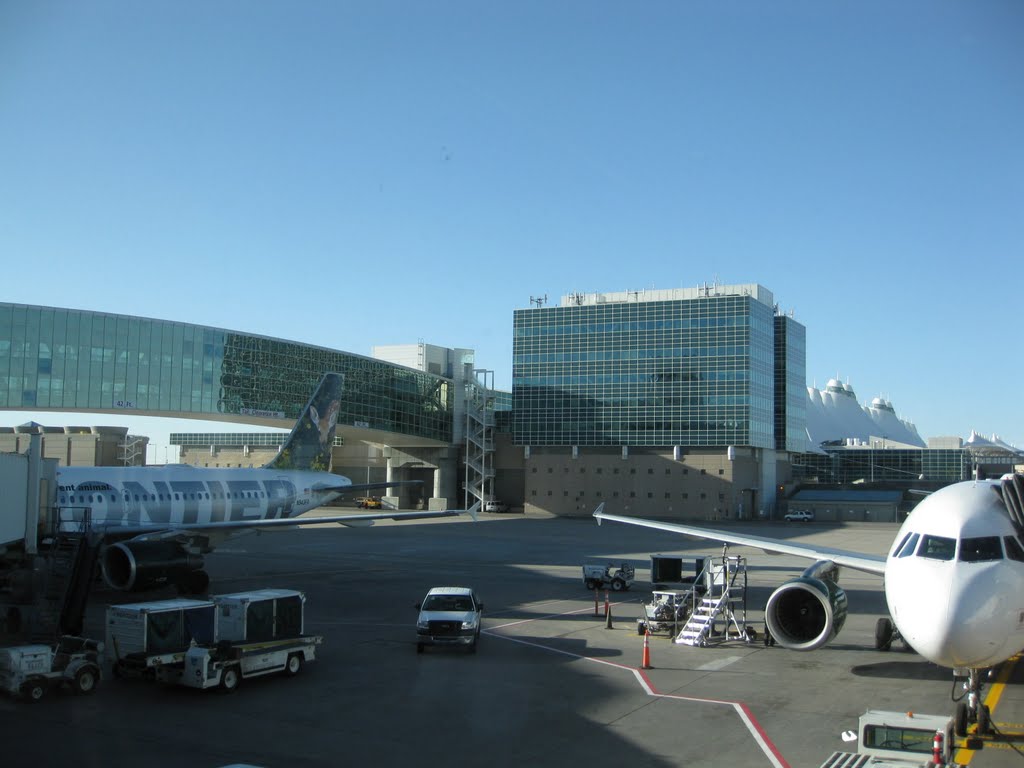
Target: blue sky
<point x="351" y="174"/>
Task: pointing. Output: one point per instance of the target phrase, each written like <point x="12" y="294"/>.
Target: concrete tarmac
<point x="551" y="683"/>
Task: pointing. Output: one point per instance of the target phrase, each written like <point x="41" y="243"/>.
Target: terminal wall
<point x="689" y="484"/>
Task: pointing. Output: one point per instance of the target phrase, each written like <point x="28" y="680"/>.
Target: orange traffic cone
<point x="646" y="662"/>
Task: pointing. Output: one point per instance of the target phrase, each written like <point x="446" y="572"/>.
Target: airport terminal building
<point x="683" y="402"/>
<point x="688" y="403"/>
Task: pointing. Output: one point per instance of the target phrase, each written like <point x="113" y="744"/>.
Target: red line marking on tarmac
<point x="742" y="710"/>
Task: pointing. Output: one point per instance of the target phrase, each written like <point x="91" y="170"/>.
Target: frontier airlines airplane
<point x="953" y="578"/>
<point x="158" y="522"/>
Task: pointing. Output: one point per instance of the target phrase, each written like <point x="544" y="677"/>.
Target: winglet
<point x="598" y="512"/>
<point x="474" y="511"/>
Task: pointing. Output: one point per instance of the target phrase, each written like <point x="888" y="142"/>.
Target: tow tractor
<point x="597" y="576"/>
<point x="31" y="670"/>
<point x="667" y="612"/>
<point x="896" y="740"/>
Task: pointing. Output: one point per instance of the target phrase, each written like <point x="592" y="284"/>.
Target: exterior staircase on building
<point x="479" y="464"/>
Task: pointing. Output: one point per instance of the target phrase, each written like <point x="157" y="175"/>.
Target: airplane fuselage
<point x="954" y="579"/>
<point x="184" y="495"/>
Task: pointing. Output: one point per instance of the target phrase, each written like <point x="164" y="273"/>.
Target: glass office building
<point x="92" y="361"/>
<point x="790" y="386"/>
<point x="690" y="367"/>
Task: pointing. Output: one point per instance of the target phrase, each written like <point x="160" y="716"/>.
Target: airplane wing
<point x="185" y="533"/>
<point x="363" y="486"/>
<point x="855" y="560"/>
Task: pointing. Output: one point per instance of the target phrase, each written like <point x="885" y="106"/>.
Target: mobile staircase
<point x="719" y="614"/>
<point x="70" y="565"/>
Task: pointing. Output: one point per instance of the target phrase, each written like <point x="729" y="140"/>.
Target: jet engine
<point x="133" y="566"/>
<point x="807" y="612"/>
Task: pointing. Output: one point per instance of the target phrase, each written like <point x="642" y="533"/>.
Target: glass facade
<point x="89" y="361"/>
<point x="233" y="439"/>
<point x="790" y="385"/>
<point x="695" y="371"/>
<point x="870" y="465"/>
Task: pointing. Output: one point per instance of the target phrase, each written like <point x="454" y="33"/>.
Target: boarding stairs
<point x="719" y="614"/>
<point x="70" y="565"/>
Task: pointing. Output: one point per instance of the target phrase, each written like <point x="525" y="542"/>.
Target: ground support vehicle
<point x="31" y="670"/>
<point x="896" y="740"/>
<point x="227" y="664"/>
<point x="143" y="636"/>
<point x="798" y="516"/>
<point x="667" y="612"/>
<point x="369" y="502"/>
<point x="449" y="616"/>
<point x="607" y="576"/>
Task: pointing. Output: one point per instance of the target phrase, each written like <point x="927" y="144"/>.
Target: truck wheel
<point x="86" y="680"/>
<point x="618" y="585"/>
<point x="229" y="679"/>
<point x="641" y="628"/>
<point x="590" y="584"/>
<point x="33" y="690"/>
<point x="294" y="664"/>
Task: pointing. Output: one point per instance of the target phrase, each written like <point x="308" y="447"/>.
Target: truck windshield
<point x="447" y="603"/>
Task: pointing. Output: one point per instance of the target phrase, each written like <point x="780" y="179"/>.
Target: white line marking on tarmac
<point x="714" y="666"/>
<point x="746" y="716"/>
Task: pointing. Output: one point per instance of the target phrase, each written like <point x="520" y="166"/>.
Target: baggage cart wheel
<point x="33" y="690"/>
<point x="229" y="679"/>
<point x="294" y="664"/>
<point x="86" y="679"/>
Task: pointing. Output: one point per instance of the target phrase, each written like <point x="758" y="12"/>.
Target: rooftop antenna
<point x="577" y="298"/>
<point x="540" y="301"/>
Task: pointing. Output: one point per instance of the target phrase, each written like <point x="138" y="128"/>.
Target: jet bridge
<point x="46" y="570"/>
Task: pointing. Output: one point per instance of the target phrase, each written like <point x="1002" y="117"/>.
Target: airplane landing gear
<point x="970" y="709"/>
<point x="885" y="633"/>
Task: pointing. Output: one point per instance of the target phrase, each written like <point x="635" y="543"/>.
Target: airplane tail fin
<point x="309" y="444"/>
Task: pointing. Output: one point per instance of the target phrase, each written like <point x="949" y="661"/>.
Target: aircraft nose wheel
<point x="972" y="710"/>
<point x="964" y="717"/>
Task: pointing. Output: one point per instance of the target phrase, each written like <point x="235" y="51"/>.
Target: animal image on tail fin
<point x="309" y="444"/>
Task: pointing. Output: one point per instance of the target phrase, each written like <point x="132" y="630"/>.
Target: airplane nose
<point x="924" y="616"/>
<point x="948" y="624"/>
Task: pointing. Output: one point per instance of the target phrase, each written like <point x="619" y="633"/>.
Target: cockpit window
<point x="906" y="549"/>
<point x="937" y="547"/>
<point x="1014" y="550"/>
<point x="981" y="548"/>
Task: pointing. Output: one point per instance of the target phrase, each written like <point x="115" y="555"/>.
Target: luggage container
<point x="667" y="570"/>
<point x="259" y="615"/>
<point x="141" y="636"/>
